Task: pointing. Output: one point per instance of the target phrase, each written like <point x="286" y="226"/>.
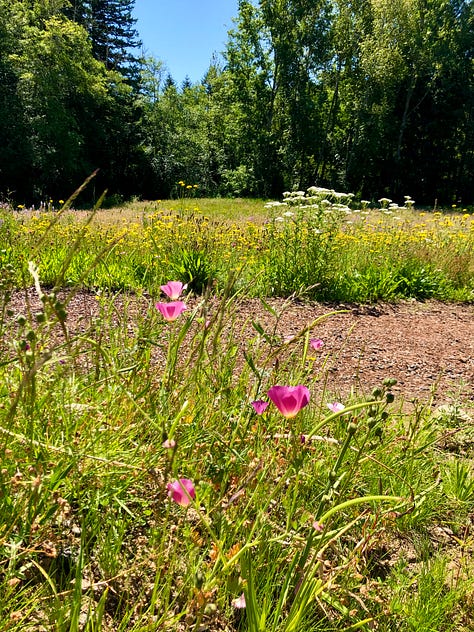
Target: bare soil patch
<point x="428" y="347"/>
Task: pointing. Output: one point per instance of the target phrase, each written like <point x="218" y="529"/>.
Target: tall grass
<point x="312" y="514"/>
<point x="321" y="248"/>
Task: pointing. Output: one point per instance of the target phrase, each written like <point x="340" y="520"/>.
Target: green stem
<point x="358" y="501"/>
<point x="349" y="409"/>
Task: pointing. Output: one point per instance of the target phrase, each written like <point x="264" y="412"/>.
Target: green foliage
<point x="305" y="246"/>
<point x="301" y="241"/>
<point x="351" y="94"/>
<point x="194" y="268"/>
<point x="421" y="281"/>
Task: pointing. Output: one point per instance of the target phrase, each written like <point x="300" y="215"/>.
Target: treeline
<point x="369" y="96"/>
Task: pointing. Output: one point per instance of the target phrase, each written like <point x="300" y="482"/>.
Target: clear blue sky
<point x="184" y="34"/>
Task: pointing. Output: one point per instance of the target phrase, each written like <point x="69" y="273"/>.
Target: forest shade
<point x="369" y="96"/>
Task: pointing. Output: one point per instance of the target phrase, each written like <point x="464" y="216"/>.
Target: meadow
<point x="161" y="472"/>
<point x="310" y="244"/>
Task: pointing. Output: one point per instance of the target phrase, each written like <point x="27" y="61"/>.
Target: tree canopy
<point x="370" y="96"/>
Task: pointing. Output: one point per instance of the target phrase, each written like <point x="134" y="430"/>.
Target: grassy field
<point x="327" y="252"/>
<point x="150" y="481"/>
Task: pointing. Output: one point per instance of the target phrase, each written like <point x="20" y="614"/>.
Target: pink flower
<point x="173" y="289"/>
<point x="169" y="444"/>
<point x="171" y="311"/>
<point x="181" y="491"/>
<point x="316" y="344"/>
<point x="239" y="602"/>
<point x="336" y="407"/>
<point x="289" y="399"/>
<point x="259" y="406"/>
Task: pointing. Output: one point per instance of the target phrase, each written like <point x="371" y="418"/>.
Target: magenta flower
<point x="181" y="491"/>
<point x="259" y="406"/>
<point x="173" y="289"/>
<point x="316" y="344"/>
<point x="171" y="311"/>
<point x="289" y="399"/>
<point x="336" y="407"/>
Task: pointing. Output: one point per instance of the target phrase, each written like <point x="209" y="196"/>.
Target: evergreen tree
<point x="111" y="28"/>
<point x="113" y="33"/>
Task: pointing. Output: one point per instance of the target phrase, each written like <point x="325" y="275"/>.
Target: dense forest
<point x="369" y="96"/>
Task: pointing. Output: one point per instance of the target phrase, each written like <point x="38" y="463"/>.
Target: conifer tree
<point x="111" y="28"/>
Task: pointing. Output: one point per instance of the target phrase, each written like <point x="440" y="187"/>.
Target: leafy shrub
<point x="419" y="280"/>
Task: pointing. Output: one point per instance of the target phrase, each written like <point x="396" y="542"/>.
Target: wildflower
<point x="239" y="602"/>
<point x="169" y="444"/>
<point x="259" y="406"/>
<point x="316" y="344"/>
<point x="336" y="407"/>
<point x="173" y="289"/>
<point x="289" y="399"/>
<point x="171" y="311"/>
<point x="181" y="491"/>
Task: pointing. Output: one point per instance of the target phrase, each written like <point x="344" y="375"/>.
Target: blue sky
<point x="184" y="34"/>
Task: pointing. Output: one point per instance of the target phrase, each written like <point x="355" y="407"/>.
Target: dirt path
<point x="425" y="346"/>
<point x="428" y="347"/>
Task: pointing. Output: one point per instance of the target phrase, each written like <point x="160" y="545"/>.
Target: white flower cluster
<point x="327" y="202"/>
<point x="315" y="199"/>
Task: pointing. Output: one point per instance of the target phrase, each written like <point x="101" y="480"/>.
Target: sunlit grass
<point x="305" y="513"/>
<point x="312" y="513"/>
<point x="367" y="255"/>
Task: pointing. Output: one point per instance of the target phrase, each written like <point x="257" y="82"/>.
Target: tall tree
<point x="15" y="139"/>
<point x="113" y="33"/>
<point x="275" y="57"/>
<point x="62" y="113"/>
<point x="62" y="88"/>
<point x="111" y="28"/>
<point x="412" y="96"/>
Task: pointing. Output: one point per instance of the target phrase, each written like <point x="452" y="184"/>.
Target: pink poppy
<point x="289" y="399"/>
<point x="173" y="289"/>
<point x="336" y="407"/>
<point x="182" y="491"/>
<point x="239" y="602"/>
<point x="259" y="406"/>
<point x="171" y="311"/>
